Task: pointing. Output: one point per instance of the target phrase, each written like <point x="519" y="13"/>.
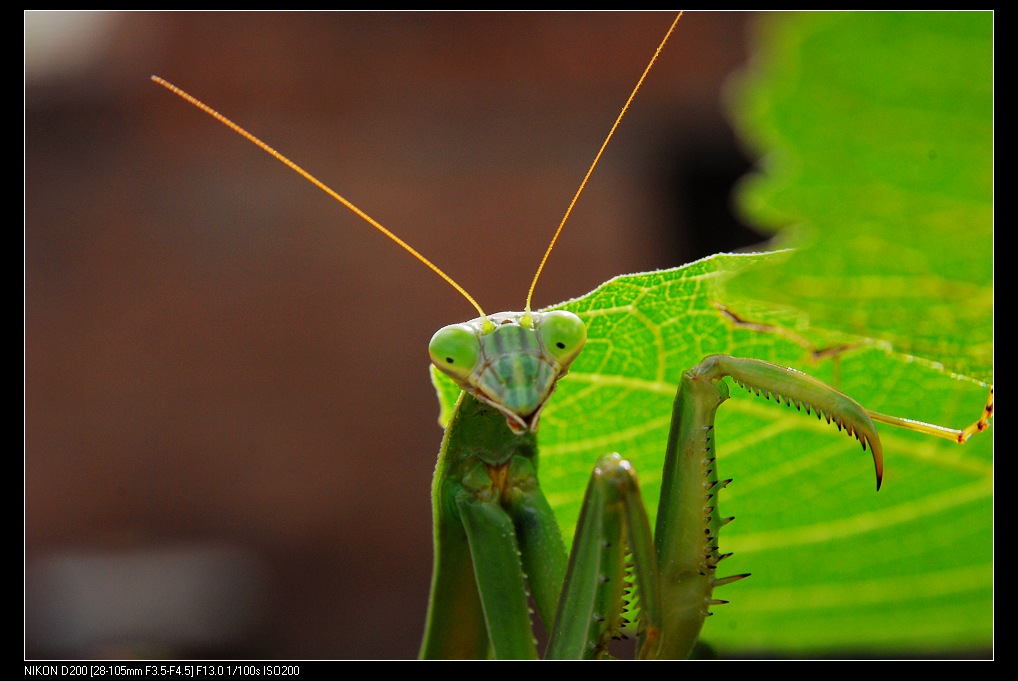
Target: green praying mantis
<point x="496" y="538"/>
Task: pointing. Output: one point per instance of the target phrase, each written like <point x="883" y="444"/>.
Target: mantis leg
<point x="501" y="582"/>
<point x="674" y="573"/>
<point x="675" y="581"/>
<point x="515" y="543"/>
<point x="612" y="524"/>
<point x="686" y="536"/>
<point x="495" y="536"/>
<point x="455" y="628"/>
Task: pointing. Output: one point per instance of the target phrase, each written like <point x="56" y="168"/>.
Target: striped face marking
<point x="510" y="360"/>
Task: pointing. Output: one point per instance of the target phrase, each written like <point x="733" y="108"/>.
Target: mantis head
<point x="510" y="360"/>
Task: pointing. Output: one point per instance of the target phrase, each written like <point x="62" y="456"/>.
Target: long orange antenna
<point x="318" y="183"/>
<point x="540" y="268"/>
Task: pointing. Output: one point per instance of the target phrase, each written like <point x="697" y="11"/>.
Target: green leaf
<point x="877" y="136"/>
<point x="838" y="568"/>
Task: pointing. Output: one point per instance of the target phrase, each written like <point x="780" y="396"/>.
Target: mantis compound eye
<point x="455" y="350"/>
<point x="562" y="334"/>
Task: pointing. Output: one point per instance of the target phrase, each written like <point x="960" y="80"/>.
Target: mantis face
<point x="510" y="360"/>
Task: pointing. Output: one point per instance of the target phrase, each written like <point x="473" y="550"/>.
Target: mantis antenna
<point x="377" y="225"/>
<point x="540" y="268"/>
<point x="318" y="183"/>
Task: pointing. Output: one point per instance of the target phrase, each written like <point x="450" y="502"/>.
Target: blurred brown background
<point x="229" y="427"/>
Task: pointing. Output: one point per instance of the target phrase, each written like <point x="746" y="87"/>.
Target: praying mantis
<point x="790" y="383"/>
